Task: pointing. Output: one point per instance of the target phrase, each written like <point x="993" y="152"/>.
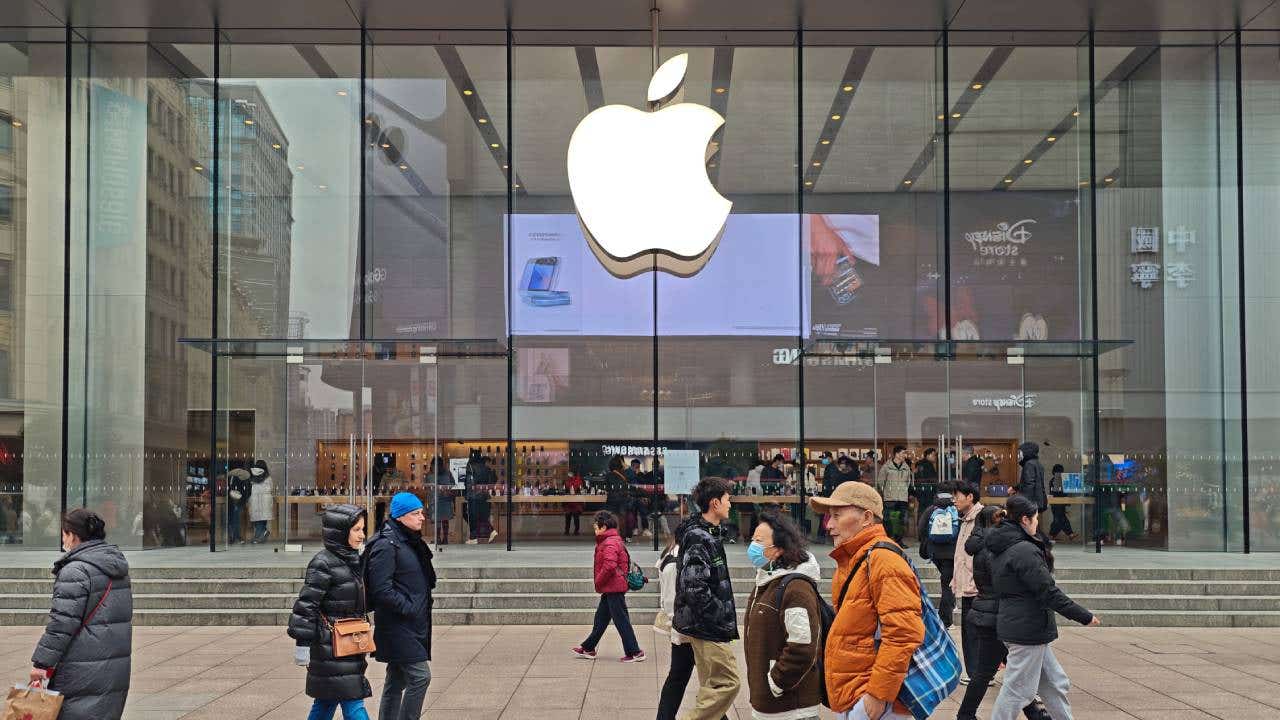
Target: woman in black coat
<point x="333" y="590"/>
<point x="86" y="643"/>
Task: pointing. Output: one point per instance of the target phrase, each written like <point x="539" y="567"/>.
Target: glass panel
<point x="1056" y="416"/>
<point x="257" y="399"/>
<point x="33" y="116"/>
<point x="911" y="417"/>
<point x="436" y="187"/>
<point x="146" y="281"/>
<point x="582" y="339"/>
<point x="290" y="165"/>
<point x="1163" y="238"/>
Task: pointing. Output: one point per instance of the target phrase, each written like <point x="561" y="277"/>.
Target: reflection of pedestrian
<point x="86" y="646"/>
<point x="401" y="578"/>
<point x="480" y="477"/>
<point x="573" y="510"/>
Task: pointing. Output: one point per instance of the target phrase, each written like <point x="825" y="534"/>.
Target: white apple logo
<point x="639" y="181"/>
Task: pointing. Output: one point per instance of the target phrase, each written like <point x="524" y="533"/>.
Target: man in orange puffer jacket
<point x="863" y="678"/>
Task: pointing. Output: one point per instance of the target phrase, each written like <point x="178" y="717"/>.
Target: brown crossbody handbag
<point x="351" y="636"/>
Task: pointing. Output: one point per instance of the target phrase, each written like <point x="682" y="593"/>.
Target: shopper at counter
<point x="894" y="483"/>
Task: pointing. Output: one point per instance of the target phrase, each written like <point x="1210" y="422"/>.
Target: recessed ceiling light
<point x="342" y="93"/>
<point x="504" y="167"/>
<point x="368" y="121"/>
<point x="942" y="117"/>
<point x="955" y="115"/>
<point x="1008" y="180"/>
<point x="300" y="167"/>
<point x="976" y="86"/>
<point x="403" y="166"/>
<point x="817" y="163"/>
<point x="323" y="187"/>
<point x="1107" y="180"/>
<point x="1075" y="113"/>
<point x="721" y="91"/>
<point x="1051" y="139"/>
<point x="847" y="88"/>
<point x="493" y="145"/>
<point x="835" y="117"/>
<point x="199" y="168"/>
<point x="17" y="123"/>
<point x="826" y="141"/>
<point x="482" y="121"/>
<point x="1027" y="161"/>
<point x="515" y="185"/>
<point x="386" y="145"/>
<point x="711" y="164"/>
<point x="907" y="182"/>
<point x="248" y="121"/>
<point x="467" y="91"/>
<point x="808" y="183"/>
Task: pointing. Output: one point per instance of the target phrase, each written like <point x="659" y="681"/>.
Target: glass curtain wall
<point x="933" y="237"/>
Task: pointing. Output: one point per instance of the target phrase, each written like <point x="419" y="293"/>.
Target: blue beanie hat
<point x="404" y="503"/>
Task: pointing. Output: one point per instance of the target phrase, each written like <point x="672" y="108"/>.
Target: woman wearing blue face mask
<point x="781" y="638"/>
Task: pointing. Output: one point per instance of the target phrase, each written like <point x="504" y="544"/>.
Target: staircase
<point x="496" y="594"/>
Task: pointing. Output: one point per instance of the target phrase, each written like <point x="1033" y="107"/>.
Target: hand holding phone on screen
<point x="825" y="250"/>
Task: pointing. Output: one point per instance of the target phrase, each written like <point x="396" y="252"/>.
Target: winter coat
<point x="894" y="481"/>
<point x="962" y="579"/>
<point x="781" y="643"/>
<point x="971" y="471"/>
<point x="90" y="661"/>
<point x="240" y="483"/>
<point x="262" y="499"/>
<point x="928" y="548"/>
<point x="611" y="563"/>
<point x="1024" y="584"/>
<point x="617" y="492"/>
<point x="399" y="578"/>
<point x="884" y="595"/>
<point x="333" y="590"/>
<point x="705" y="607"/>
<point x="986" y="604"/>
<point x="667" y="565"/>
<point x="833" y="477"/>
<point x="444" y="495"/>
<point x="1032" y="485"/>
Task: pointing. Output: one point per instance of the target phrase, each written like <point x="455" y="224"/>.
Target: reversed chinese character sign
<point x="1144" y="274"/>
<point x="1144" y="239"/>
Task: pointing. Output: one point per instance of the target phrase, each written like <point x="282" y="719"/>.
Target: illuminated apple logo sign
<point x="639" y="181"/>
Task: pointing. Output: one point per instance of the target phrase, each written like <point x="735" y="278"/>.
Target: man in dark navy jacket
<point x="400" y="578"/>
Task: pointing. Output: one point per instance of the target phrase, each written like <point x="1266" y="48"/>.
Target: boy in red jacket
<point x="611" y="565"/>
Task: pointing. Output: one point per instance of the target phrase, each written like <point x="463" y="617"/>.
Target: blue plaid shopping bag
<point x="935" y="666"/>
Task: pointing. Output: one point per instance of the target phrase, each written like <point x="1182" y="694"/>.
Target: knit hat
<point x="404" y="503"/>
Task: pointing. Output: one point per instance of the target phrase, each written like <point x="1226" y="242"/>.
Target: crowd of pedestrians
<point x="871" y="646"/>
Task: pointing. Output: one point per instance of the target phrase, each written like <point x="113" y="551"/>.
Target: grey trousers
<point x="404" y="691"/>
<point x="1032" y="670"/>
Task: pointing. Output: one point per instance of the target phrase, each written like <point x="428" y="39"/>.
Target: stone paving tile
<point x="494" y="673"/>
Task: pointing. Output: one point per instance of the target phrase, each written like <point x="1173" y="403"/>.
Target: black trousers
<point x="574" y="517"/>
<point x="1061" y="522"/>
<point x="947" y="603"/>
<point x="613" y="606"/>
<point x="968" y="637"/>
<point x="682" y="668"/>
<point x="990" y="653"/>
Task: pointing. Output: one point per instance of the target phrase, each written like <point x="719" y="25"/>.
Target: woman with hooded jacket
<point x="333" y="590"/>
<point x="1022" y="575"/>
<point x="261" y="501"/>
<point x="783" y="624"/>
<point x="85" y="650"/>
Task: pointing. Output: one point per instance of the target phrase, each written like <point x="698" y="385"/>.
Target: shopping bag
<point x="32" y="703"/>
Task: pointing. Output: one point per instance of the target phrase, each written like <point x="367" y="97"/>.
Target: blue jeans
<point x="404" y="691"/>
<point x="351" y="710"/>
<point x="233" y="521"/>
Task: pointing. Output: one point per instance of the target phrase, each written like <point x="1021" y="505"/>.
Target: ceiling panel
<point x="548" y="103"/>
<point x="759" y="154"/>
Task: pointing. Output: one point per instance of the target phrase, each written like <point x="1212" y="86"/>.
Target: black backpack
<point x="826" y="616"/>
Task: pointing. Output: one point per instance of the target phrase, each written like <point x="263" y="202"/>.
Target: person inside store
<point x="610" y="566"/>
<point x="442" y="497"/>
<point x="401" y="578"/>
<point x="480" y="477"/>
<point x="237" y="500"/>
<point x="1061" y="528"/>
<point x="971" y="470"/>
<point x="926" y="484"/>
<point x="782" y="625"/>
<point x="618" y="494"/>
<point x="894" y="483"/>
<point x="86" y="649"/>
<point x="1031" y="483"/>
<point x="876" y="595"/>
<point x="938" y="533"/>
<point x="573" y="510"/>
<point x="261" y="500"/>
<point x="333" y="590"/>
<point x="638" y="508"/>
<point x="1022" y="573"/>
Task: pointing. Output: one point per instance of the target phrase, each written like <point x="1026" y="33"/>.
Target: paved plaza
<point x="494" y="673"/>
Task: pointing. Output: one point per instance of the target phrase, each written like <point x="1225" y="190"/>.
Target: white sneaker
<point x="473" y="541"/>
<point x="648" y="533"/>
<point x="493" y="535"/>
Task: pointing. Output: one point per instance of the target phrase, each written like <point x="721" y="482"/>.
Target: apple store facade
<point x="338" y="244"/>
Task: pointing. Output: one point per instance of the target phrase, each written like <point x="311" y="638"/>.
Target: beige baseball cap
<point x="855" y="493"/>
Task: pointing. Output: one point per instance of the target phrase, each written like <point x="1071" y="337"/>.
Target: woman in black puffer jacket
<point x="333" y="590"/>
<point x="982" y="617"/>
